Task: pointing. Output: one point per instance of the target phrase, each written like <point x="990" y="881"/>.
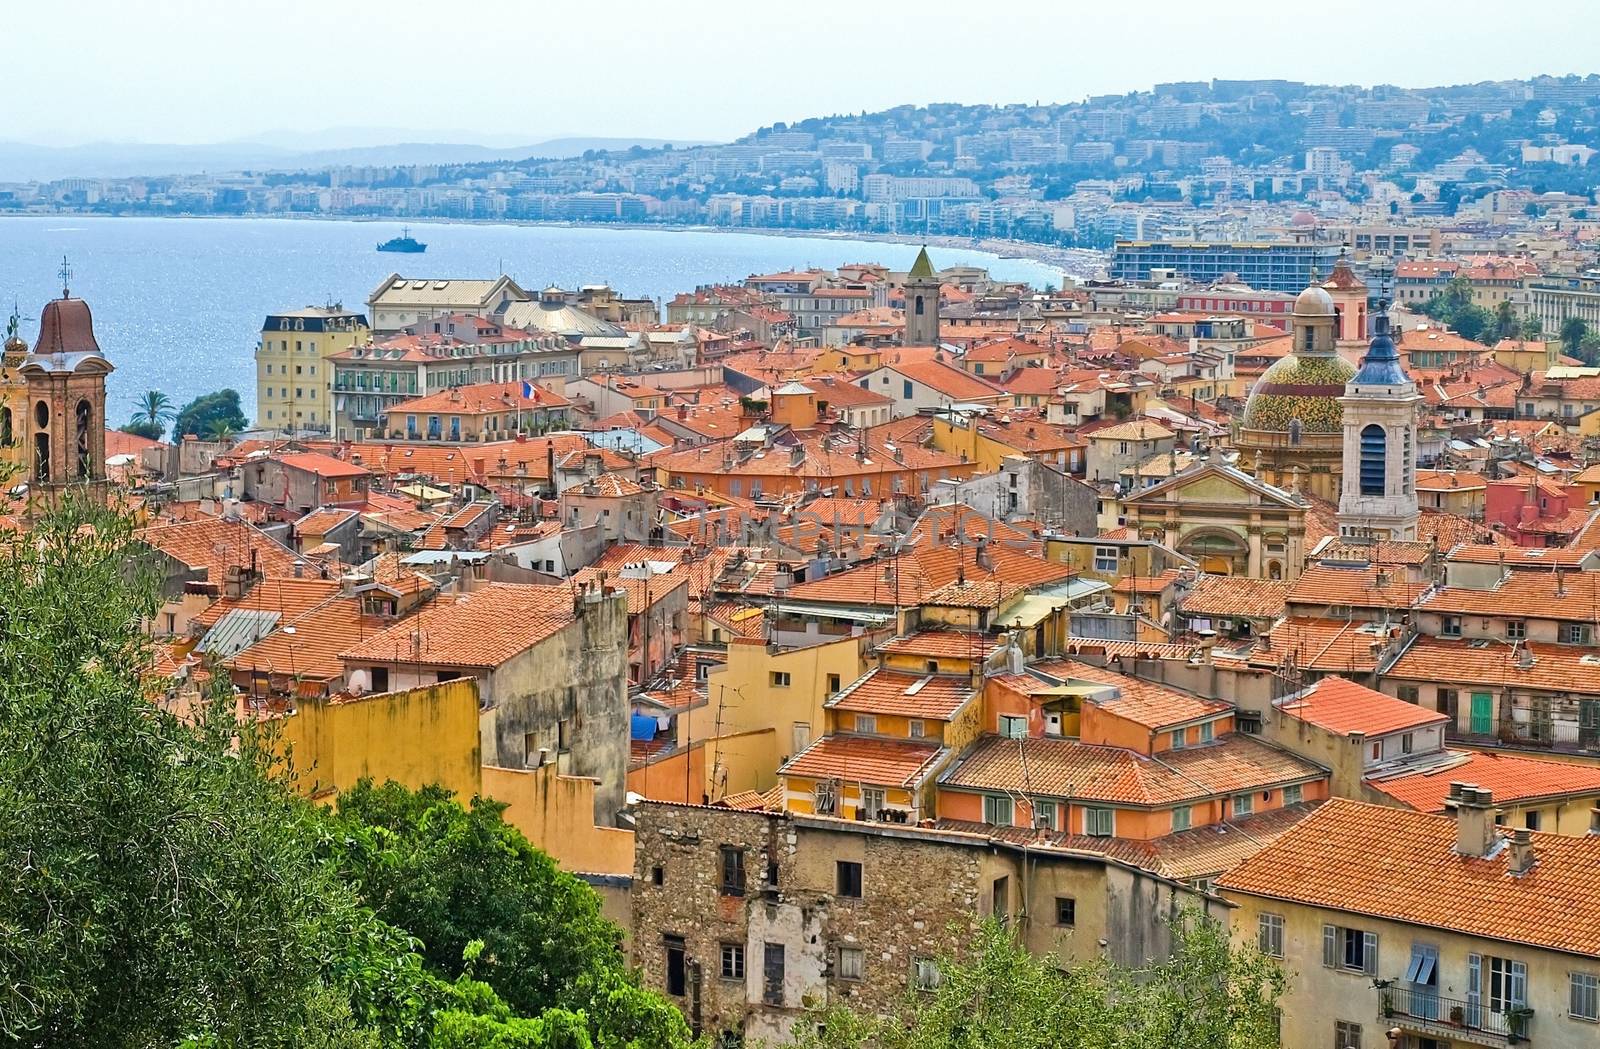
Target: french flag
<point x="530" y="392"/>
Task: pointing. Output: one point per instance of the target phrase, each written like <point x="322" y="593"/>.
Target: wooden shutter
<point x="1330" y="946"/>
<point x="1369" y="953"/>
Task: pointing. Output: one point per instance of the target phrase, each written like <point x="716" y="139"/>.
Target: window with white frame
<point x="1044" y="814"/>
<point x="1269" y="935"/>
<point x="1353" y="950"/>
<point x="1105" y="559"/>
<point x="1244" y="804"/>
<point x="1346" y="1035"/>
<point x="998" y="810"/>
<point x="1208" y="731"/>
<point x="1576" y="633"/>
<point x="1516" y="629"/>
<point x="866" y="723"/>
<point x="1099" y="823"/>
<point x="1294" y="794"/>
<point x="1583" y="996"/>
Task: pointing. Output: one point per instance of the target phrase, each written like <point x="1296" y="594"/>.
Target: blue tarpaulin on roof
<point x="643" y="727"/>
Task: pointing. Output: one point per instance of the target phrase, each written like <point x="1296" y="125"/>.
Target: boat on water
<point x="404" y="243"/>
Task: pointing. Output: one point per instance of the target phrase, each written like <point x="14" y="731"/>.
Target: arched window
<point x="1294" y="431"/>
<point x="5" y="426"/>
<point x="84" y="417"/>
<point x="1374" y="459"/>
<point x="919" y="305"/>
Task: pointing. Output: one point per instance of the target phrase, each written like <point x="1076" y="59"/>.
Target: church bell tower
<point x="922" y="302"/>
<point x="64" y="429"/>
<point x="1378" y="497"/>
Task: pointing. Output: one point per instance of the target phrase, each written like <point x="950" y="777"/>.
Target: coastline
<point x="1074" y="263"/>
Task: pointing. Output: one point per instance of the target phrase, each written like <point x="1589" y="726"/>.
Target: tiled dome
<point x="1304" y="388"/>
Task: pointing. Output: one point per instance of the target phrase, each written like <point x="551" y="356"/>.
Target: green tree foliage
<point x="165" y="888"/>
<point x="1209" y="995"/>
<point x="206" y="413"/>
<point x="1573" y="329"/>
<point x="1506" y="325"/>
<point x="454" y="876"/>
<point x="157" y="886"/>
<point x="1453" y="307"/>
<point x="154" y="411"/>
<point x="140" y="428"/>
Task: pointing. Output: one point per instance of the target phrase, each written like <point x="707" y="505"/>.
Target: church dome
<point x="1314" y="302"/>
<point x="1300" y="388"/>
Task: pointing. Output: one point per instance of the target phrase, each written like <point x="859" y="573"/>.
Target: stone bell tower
<point x="922" y="302"/>
<point x="64" y="431"/>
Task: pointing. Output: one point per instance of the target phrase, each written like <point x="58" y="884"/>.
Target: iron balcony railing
<point x="1438" y="1011"/>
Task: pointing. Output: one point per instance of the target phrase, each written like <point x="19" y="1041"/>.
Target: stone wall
<point x="923" y="895"/>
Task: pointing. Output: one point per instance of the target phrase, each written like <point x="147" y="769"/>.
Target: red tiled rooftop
<point x="864" y="759"/>
<point x="1341" y="706"/>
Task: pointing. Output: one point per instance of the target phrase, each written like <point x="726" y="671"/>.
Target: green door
<point x="1482" y="704"/>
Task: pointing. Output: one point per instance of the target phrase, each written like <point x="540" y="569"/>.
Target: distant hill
<point x="24" y="162"/>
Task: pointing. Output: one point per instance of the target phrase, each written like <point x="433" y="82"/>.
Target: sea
<point x="179" y="302"/>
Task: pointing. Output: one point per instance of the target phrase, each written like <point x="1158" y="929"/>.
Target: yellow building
<point x="294" y="380"/>
<point x="1441" y="931"/>
<point x="761" y="687"/>
<point x="1223" y="520"/>
<point x="890" y="732"/>
<point x="415" y="737"/>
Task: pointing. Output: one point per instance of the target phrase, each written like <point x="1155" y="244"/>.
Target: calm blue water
<point x="178" y="303"/>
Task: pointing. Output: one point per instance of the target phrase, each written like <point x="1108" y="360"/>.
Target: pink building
<point x="1535" y="512"/>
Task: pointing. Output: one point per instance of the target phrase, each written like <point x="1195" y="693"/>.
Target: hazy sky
<point x="214" y="70"/>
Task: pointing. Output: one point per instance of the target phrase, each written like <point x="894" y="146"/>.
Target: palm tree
<point x="221" y="432"/>
<point x="155" y="410"/>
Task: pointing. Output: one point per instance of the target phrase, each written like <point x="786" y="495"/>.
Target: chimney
<point x="1475" y="833"/>
<point x="981" y="556"/>
<point x="1521" y="851"/>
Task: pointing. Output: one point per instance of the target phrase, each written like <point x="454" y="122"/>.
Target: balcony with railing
<point x="1420" y="1010"/>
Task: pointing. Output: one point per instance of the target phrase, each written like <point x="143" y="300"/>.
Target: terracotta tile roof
<point x="642" y="593"/>
<point x="214" y="544"/>
<point x="919" y="573"/>
<point x="1447" y="530"/>
<point x="1571" y="596"/>
<point x="1065" y="768"/>
<point x="941" y="644"/>
<point x="1223" y="596"/>
<point x="1146" y="584"/>
<point x="936" y="697"/>
<point x="1142" y="702"/>
<point x="950" y="521"/>
<point x="865" y="759"/>
<point x="1341" y="706"/>
<point x="320" y="522"/>
<point x="1356" y="587"/>
<point x="287" y="595"/>
<point x="1394" y="553"/>
<point x="741" y="620"/>
<point x="1513" y="779"/>
<point x="308" y="647"/>
<point x="1530" y="558"/>
<point x="1132" y="430"/>
<point x="1326" y="645"/>
<point x="119" y="442"/>
<point x="484" y="398"/>
<point x="482" y="629"/>
<point x="1482" y="662"/>
<point x="324" y="466"/>
<point x="949" y="380"/>
<point x="1402" y="866"/>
